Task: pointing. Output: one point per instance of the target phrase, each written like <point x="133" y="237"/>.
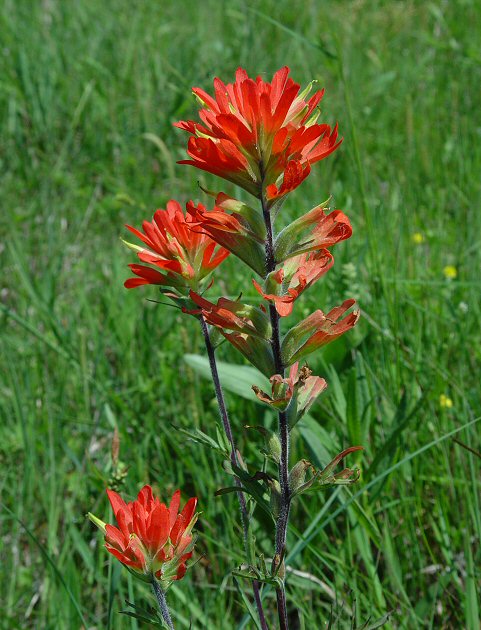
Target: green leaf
<point x="202" y="438"/>
<point x="353" y="412"/>
<point x="149" y="615"/>
<point x="247" y="604"/>
<point x="237" y="379"/>
<point x="255" y="575"/>
<point x="471" y="588"/>
<point x="378" y="623"/>
<point x="227" y="490"/>
<point x="254" y="488"/>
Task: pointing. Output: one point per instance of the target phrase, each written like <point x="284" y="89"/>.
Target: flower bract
<point x="179" y="256"/>
<point x="317" y="330"/>
<point x="295" y="276"/>
<point x="151" y="538"/>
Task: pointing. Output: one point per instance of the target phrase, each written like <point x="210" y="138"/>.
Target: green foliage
<point x="87" y="97"/>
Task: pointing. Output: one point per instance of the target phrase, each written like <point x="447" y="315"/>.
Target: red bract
<point x="329" y="230"/>
<point x="299" y="386"/>
<point x="249" y="328"/>
<point x="294" y="175"/>
<point x="317" y="330"/>
<point x="312" y="231"/>
<point x="252" y="130"/>
<point x="184" y="256"/>
<point x="297" y="275"/>
<point x="151" y="538"/>
<point x="232" y="315"/>
<point x="232" y="231"/>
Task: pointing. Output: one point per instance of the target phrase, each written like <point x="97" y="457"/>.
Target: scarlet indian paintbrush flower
<point x="317" y="330"/>
<point x="249" y="328"/>
<point x="232" y="315"/>
<point x="180" y="257"/>
<point x="295" y="276"/>
<point x="299" y="390"/>
<point x="259" y="134"/>
<point x="312" y="231"/>
<point x="239" y="231"/>
<point x="151" y="539"/>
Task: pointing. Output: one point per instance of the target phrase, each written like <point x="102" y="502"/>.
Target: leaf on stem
<point x="327" y="477"/>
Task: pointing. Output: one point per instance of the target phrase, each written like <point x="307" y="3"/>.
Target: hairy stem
<point x="164" y="609"/>
<point x="233" y="458"/>
<point x="285" y="501"/>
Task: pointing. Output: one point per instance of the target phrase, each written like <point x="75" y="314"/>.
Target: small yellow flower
<point x="418" y="238"/>
<point x="445" y="401"/>
<point x="450" y="272"/>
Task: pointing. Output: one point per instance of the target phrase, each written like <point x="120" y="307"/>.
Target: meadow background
<point x="88" y="94"/>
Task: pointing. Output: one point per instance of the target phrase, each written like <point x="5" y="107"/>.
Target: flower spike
<point x="151" y="539"/>
<point x="255" y="133"/>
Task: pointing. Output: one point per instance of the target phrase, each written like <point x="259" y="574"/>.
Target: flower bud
<point x="275" y="498"/>
<point x="297" y="475"/>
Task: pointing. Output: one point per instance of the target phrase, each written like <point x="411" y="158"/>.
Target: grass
<point x="88" y="94"/>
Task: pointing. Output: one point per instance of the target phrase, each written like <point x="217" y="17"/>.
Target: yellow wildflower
<point x="445" y="401"/>
<point x="450" y="272"/>
<point x="418" y="238"/>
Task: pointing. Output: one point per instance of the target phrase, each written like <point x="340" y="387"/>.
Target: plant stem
<point x="164" y="609"/>
<point x="233" y="458"/>
<point x="285" y="501"/>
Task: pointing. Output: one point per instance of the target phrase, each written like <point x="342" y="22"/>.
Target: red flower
<point x="317" y="330"/>
<point x="294" y="175"/>
<point x="232" y="315"/>
<point x="184" y="256"/>
<point x="312" y="231"/>
<point x="239" y="232"/>
<point x="297" y="275"/>
<point x="151" y="538"/>
<point x="251" y="130"/>
<point x="249" y="327"/>
<point x="299" y="386"/>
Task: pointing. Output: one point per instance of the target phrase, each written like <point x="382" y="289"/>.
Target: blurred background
<point x="88" y="94"/>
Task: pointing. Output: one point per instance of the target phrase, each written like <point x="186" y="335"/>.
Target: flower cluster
<point x="184" y="255"/>
<point x="259" y="134"/>
<point x="151" y="538"/>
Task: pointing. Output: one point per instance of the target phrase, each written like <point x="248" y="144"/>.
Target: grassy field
<point x="88" y="94"/>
